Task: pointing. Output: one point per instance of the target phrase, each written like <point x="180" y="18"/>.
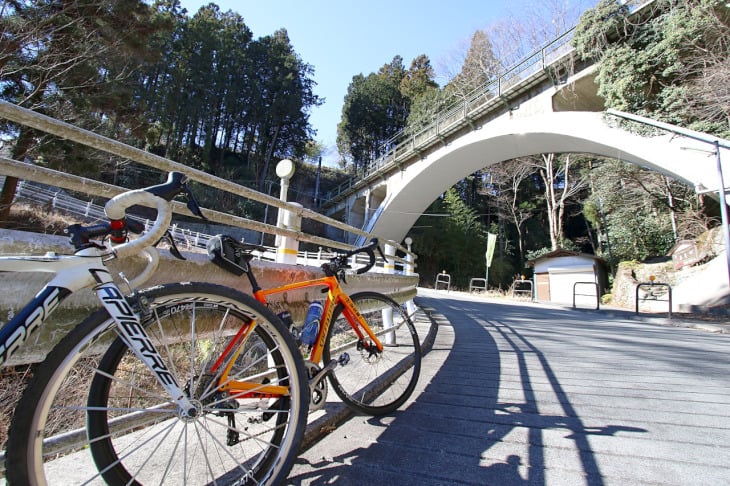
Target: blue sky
<point x="341" y="39"/>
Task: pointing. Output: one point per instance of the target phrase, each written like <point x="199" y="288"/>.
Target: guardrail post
<point x="410" y="270"/>
<point x="523" y="291"/>
<point x="443" y="278"/>
<point x="474" y="284"/>
<point x="652" y="284"/>
<point x="389" y="338"/>
<point x="593" y="285"/>
<point x="286" y="251"/>
<point x="285" y="170"/>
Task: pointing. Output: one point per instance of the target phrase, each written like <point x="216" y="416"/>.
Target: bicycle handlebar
<point x="116" y="211"/>
<point x="157" y="196"/>
<point x="339" y="263"/>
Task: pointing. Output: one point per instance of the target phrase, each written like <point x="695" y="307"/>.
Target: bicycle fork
<point x="131" y="329"/>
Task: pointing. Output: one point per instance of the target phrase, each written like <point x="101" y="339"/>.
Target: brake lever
<point x="173" y="247"/>
<point x="193" y="205"/>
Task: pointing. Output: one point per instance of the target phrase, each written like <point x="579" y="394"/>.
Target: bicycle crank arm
<point x="321" y="375"/>
<point x="318" y="387"/>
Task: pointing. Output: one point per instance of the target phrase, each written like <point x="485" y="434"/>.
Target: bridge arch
<point x="413" y="189"/>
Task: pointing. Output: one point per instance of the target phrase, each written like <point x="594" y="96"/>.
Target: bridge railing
<point x="459" y="113"/>
<point x="185" y="237"/>
<point x="30" y="172"/>
<point x="463" y="111"/>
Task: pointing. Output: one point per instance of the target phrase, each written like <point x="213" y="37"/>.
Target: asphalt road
<point x="534" y="395"/>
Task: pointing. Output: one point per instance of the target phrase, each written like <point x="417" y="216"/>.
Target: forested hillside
<point x="200" y="89"/>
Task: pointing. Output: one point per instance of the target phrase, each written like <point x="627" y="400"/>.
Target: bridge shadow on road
<point x="489" y="411"/>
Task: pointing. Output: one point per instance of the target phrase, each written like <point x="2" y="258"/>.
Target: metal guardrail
<point x="525" y="290"/>
<point x="655" y="297"/>
<point x="53" y="198"/>
<point x="443" y="278"/>
<point x="477" y="284"/>
<point x="595" y="294"/>
<point x="21" y="170"/>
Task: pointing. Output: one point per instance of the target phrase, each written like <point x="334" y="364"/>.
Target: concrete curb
<point x="338" y="413"/>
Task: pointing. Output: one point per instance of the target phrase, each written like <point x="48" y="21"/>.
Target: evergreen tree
<point x="75" y="61"/>
<point x="648" y="67"/>
<point x="453" y="240"/>
<point x="377" y="107"/>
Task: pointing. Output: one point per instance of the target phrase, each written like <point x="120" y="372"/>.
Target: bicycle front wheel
<point x="369" y="381"/>
<point x="95" y="414"/>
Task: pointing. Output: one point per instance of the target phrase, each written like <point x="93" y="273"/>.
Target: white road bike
<point x="182" y="383"/>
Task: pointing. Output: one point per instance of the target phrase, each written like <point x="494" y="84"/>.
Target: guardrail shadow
<point x="465" y="427"/>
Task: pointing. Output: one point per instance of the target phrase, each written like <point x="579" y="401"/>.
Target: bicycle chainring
<point x="317" y="386"/>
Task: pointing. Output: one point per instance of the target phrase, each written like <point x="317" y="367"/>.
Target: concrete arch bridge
<point x="408" y="192"/>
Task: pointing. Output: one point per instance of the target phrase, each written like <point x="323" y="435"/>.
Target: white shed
<point x="561" y="273"/>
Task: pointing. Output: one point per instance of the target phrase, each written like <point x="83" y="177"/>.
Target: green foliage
<point x="194" y="89"/>
<point x="425" y="107"/>
<point x="219" y="89"/>
<point x="76" y="61"/>
<point x="535" y="254"/>
<point x="377" y="106"/>
<point x="638" y="236"/>
<point x="636" y="207"/>
<point x="647" y="67"/>
<point x="455" y="243"/>
<point x="597" y="26"/>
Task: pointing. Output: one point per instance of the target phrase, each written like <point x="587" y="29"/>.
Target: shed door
<point x="543" y="286"/>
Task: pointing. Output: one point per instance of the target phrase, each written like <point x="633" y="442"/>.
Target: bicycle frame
<point x="86" y="269"/>
<point x="335" y="295"/>
<point x="72" y="273"/>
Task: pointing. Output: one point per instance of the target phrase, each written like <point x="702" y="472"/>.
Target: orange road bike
<point x="366" y="342"/>
<point x="182" y="383"/>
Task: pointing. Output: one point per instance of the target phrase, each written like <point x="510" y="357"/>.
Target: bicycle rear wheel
<point x="372" y="382"/>
<point x="94" y="413"/>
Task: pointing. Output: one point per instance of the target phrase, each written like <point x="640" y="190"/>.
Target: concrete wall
<point x="16" y="289"/>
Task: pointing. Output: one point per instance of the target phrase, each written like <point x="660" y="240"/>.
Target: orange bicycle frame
<point x="335" y="295"/>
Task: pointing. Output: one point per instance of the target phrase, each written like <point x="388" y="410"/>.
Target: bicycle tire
<point x="373" y="383"/>
<point x="104" y="416"/>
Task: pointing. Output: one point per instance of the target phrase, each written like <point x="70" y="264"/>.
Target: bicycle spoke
<point x="372" y="381"/>
<point x="108" y="418"/>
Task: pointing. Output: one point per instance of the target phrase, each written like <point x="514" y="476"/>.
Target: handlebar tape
<point x="116" y="208"/>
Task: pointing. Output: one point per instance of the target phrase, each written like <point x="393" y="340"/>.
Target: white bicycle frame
<point x="86" y="269"/>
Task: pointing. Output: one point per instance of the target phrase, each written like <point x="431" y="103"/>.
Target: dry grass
<point x="12" y="384"/>
<point x="27" y="217"/>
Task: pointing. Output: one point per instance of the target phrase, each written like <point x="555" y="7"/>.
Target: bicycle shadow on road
<point x="477" y="419"/>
